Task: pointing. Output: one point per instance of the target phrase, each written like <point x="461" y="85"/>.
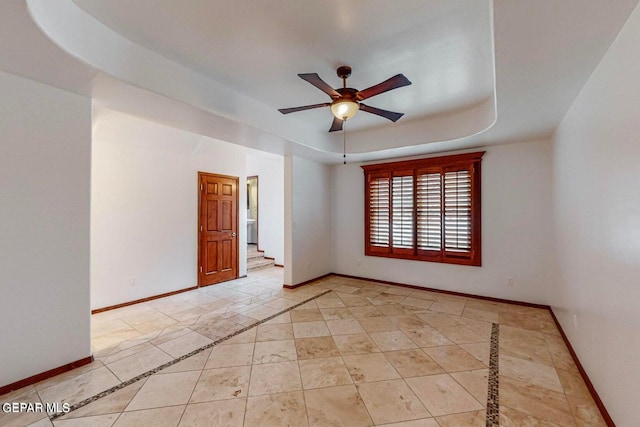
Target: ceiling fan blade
<point x="306" y="107"/>
<point x="315" y="80"/>
<point x="391" y="115"/>
<point x="394" y="82"/>
<point x="336" y="125"/>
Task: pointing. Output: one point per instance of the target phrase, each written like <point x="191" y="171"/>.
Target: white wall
<point x="145" y="203"/>
<point x="597" y="225"/>
<point x="270" y="171"/>
<point x="45" y="155"/>
<point x="307" y="220"/>
<point x="516" y="235"/>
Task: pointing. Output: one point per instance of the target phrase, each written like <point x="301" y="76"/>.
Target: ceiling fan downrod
<point x="344" y="72"/>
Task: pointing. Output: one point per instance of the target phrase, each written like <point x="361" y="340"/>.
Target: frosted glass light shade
<point x="344" y="109"/>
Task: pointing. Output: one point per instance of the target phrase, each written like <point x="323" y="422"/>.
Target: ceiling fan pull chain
<point x="344" y="143"/>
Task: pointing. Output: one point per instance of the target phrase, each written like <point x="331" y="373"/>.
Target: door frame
<point x="200" y="225"/>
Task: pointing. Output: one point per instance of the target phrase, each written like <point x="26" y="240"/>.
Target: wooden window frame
<point x="441" y="165"/>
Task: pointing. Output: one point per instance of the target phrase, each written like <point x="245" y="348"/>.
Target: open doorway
<point x="264" y="227"/>
<point x="252" y="211"/>
<point x="256" y="259"/>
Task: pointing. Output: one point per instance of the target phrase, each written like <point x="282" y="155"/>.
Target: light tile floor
<point x="363" y="354"/>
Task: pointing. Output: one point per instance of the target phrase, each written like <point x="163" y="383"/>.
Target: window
<point x="427" y="209"/>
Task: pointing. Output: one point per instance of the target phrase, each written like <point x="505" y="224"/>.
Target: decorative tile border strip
<point x="179" y="359"/>
<point x="493" y="407"/>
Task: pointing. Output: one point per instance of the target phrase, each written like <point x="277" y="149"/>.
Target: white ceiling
<point x="444" y="47"/>
<point x="544" y="51"/>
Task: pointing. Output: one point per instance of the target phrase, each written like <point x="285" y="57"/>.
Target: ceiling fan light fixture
<point x="344" y="109"/>
<point x="345" y="100"/>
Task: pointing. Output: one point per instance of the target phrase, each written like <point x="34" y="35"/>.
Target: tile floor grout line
<point x="137" y="378"/>
<point x="195" y="385"/>
<point x="493" y="407"/>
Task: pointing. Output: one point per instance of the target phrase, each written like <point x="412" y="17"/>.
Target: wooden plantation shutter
<point x="426" y="209"/>
<point x="379" y="213"/>
<point x="457" y="211"/>
<point x="429" y="210"/>
<point x="402" y="219"/>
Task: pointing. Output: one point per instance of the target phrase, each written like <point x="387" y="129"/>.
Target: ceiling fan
<point x="347" y="101"/>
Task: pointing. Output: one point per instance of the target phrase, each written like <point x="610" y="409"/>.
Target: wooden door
<point x="218" y="229"/>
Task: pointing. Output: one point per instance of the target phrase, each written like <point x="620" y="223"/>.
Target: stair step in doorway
<point x="256" y="259"/>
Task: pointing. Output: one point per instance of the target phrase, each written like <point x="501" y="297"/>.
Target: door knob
<point x="233" y="234"/>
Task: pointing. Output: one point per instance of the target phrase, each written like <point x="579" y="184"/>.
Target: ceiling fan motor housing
<point x="347" y="93"/>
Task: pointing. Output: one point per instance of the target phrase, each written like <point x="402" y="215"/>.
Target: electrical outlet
<point x="133" y="281"/>
<point x="509" y="281"/>
<point x="575" y="322"/>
